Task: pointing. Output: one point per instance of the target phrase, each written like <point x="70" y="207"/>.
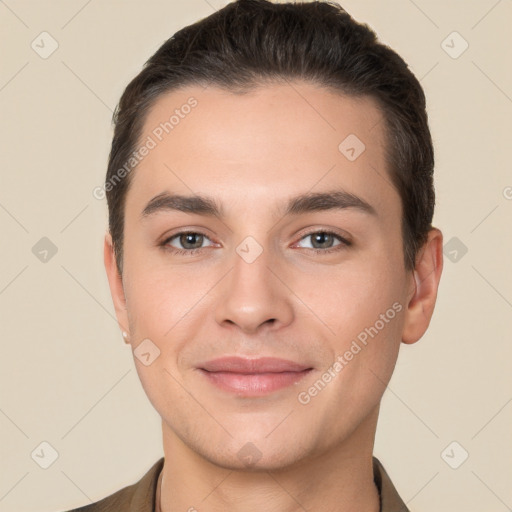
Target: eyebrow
<point x="297" y="205"/>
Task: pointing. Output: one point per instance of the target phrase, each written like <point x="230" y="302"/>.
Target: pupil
<point x="189" y="238"/>
<point x="322" y="236"/>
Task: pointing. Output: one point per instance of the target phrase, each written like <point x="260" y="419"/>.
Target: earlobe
<point x="426" y="276"/>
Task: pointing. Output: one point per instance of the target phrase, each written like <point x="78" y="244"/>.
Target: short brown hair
<point x="252" y="42"/>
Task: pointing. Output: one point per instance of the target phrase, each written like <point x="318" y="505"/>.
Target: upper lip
<point x="237" y="364"/>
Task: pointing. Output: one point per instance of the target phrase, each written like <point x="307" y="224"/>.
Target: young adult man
<point x="270" y="247"/>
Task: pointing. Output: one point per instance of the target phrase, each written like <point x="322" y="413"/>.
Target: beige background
<point x="68" y="379"/>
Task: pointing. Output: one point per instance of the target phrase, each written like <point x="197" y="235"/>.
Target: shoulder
<point x="139" y="496"/>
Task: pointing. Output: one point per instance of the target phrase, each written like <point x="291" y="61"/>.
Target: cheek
<point x="350" y="297"/>
<point x="154" y="290"/>
<point x="170" y="307"/>
<point x="160" y="309"/>
<point x="362" y="305"/>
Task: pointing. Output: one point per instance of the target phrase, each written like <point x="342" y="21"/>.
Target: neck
<point x="337" y="480"/>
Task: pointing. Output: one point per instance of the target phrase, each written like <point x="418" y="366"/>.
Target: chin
<point x="255" y="453"/>
<point x="251" y="459"/>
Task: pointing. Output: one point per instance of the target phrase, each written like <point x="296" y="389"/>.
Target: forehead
<point x="272" y="142"/>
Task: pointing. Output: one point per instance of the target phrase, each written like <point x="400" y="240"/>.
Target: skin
<point x="252" y="152"/>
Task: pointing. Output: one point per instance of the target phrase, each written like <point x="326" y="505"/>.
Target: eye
<point x="323" y="241"/>
<point x="190" y="242"/>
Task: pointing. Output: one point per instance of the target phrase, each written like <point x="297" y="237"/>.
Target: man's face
<point x="255" y="286"/>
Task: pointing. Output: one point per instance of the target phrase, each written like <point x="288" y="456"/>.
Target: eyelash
<point x="190" y="252"/>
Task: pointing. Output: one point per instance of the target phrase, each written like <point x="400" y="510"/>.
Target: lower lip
<point x="255" y="384"/>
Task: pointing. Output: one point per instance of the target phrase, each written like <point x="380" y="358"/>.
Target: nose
<point x="254" y="296"/>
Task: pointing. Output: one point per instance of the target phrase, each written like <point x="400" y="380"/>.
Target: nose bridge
<point x="252" y="295"/>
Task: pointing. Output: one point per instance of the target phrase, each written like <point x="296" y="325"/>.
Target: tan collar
<point x="390" y="500"/>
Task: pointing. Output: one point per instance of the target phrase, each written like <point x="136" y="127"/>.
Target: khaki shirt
<point x="140" y="497"/>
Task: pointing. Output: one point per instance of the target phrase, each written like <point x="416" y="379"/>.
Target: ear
<point x="424" y="285"/>
<point x="115" y="283"/>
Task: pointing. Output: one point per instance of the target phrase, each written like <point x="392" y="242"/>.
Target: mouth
<point x="253" y="377"/>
